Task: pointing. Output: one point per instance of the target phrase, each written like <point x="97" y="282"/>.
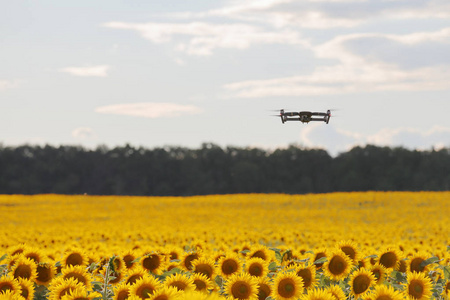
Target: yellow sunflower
<point x="264" y="288"/>
<point x="59" y="287"/>
<point x="75" y="257"/>
<point x="402" y="266"/>
<point x="338" y="265"/>
<point x="16" y="249"/>
<point x="317" y="294"/>
<point x="201" y="282"/>
<point x="34" y="254"/>
<point x="78" y="273"/>
<point x="380" y="273"/>
<point x="350" y="249"/>
<point x="337" y="292"/>
<point x="287" y="285"/>
<point x="360" y="282"/>
<point x="242" y="286"/>
<point x="257" y="267"/>
<point x="318" y="254"/>
<point x="121" y="291"/>
<point x="418" y="286"/>
<point x="8" y="283"/>
<point x="118" y="264"/>
<point x="416" y="261"/>
<point x="45" y="273"/>
<point x="261" y="251"/>
<point x="80" y="294"/>
<point x="385" y="292"/>
<point x="187" y="258"/>
<point x="390" y="258"/>
<point x="27" y="289"/>
<point x="204" y="266"/>
<point x="308" y="275"/>
<point x="145" y="287"/>
<point x="166" y="293"/>
<point x="153" y="262"/>
<point x="182" y="282"/>
<point x="229" y="264"/>
<point x="134" y="274"/>
<point x="10" y="295"/>
<point x="24" y="268"/>
<point x="446" y="289"/>
<point x="128" y="258"/>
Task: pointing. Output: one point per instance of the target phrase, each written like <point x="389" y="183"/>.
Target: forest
<point x="211" y="169"/>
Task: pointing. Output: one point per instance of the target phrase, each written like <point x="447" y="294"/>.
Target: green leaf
<point x="448" y="248"/>
<point x="135" y="260"/>
<point x="371" y="256"/>
<point x="447" y="272"/>
<point x="175" y="260"/>
<point x="218" y="280"/>
<point x="273" y="266"/>
<point x="3" y="257"/>
<point x="429" y="261"/>
<point x="321" y="261"/>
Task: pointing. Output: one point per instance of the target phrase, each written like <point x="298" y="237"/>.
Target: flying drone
<point x="305" y="116"/>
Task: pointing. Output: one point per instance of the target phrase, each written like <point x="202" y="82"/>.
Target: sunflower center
<point x="188" y="260"/>
<point x="264" y="291"/>
<point x="133" y="278"/>
<point x="80" y="278"/>
<point x="23" y="271"/>
<point x="319" y="256"/>
<point x="349" y="251"/>
<point x="151" y="262"/>
<point x="255" y="270"/>
<point x="259" y="254"/>
<point x="337" y="265"/>
<point x="306" y="275"/>
<point x="74" y="259"/>
<point x="128" y="260"/>
<point x="415" y="265"/>
<point x="181" y="286"/>
<point x="122" y="295"/>
<point x="204" y="269"/>
<point x="146" y="292"/>
<point x="229" y="266"/>
<point x="360" y="284"/>
<point x="240" y="290"/>
<point x="5" y="286"/>
<point x="286" y="288"/>
<point x="416" y="289"/>
<point x="388" y="260"/>
<point x="43" y="273"/>
<point x="200" y="285"/>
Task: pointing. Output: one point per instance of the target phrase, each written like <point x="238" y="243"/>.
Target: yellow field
<point x="321" y="246"/>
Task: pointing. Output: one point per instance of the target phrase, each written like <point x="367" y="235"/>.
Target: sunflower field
<point x="369" y="245"/>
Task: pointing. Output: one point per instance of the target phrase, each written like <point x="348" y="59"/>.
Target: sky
<point x="182" y="73"/>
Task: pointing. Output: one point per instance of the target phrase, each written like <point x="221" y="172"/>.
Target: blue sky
<point x="182" y="73"/>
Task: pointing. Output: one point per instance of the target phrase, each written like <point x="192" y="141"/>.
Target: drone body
<point x="305" y="116"/>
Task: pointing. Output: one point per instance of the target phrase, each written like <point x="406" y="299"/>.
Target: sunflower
<point x="318" y="294"/>
<point x="380" y="272"/>
<point x="34" y="254"/>
<point x="74" y="257"/>
<point x="118" y="264"/>
<point x="153" y="262"/>
<point x="134" y="274"/>
<point x="350" y="249"/>
<point x="201" y="282"/>
<point x="390" y="258"/>
<point x="128" y="258"/>
<point x="416" y="261"/>
<point x="261" y="251"/>
<point x="338" y="266"/>
<point x="242" y="286"/>
<point x="417" y="286"/>
<point x="17" y="249"/>
<point x="257" y="267"/>
<point x="320" y="253"/>
<point x="337" y="292"/>
<point x="78" y="273"/>
<point x="8" y="283"/>
<point x="308" y="275"/>
<point x="121" y="291"/>
<point x="166" y="293"/>
<point x="287" y="285"/>
<point x="59" y="287"/>
<point x="145" y="287"/>
<point x="45" y="273"/>
<point x="24" y="268"/>
<point x="264" y="288"/>
<point x="402" y="266"/>
<point x="180" y="281"/>
<point x="229" y="264"/>
<point x="446" y="290"/>
<point x="360" y="282"/>
<point x="385" y="292"/>
<point x="27" y="289"/>
<point x="204" y="266"/>
<point x="187" y="258"/>
<point x="80" y="294"/>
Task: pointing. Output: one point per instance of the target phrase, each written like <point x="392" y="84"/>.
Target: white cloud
<point x="361" y="70"/>
<point x="83" y="133"/>
<point x="203" y="38"/>
<point x="336" y="140"/>
<point x="8" y="84"/>
<point x="88" y="71"/>
<point x="149" y="109"/>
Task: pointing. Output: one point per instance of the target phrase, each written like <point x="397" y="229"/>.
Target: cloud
<point x="365" y="63"/>
<point x="149" y="109"/>
<point x="336" y="140"/>
<point x="8" y="84"/>
<point x="203" y="38"/>
<point x="90" y="71"/>
<point x="83" y="133"/>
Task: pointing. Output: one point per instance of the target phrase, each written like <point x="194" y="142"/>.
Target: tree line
<point x="210" y="169"/>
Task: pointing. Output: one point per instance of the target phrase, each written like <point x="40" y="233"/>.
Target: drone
<point x="305" y="116"/>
